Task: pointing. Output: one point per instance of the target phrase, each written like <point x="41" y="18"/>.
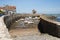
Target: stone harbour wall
<point x="48" y="26"/>
<point x="4" y="34"/>
<point x="9" y="20"/>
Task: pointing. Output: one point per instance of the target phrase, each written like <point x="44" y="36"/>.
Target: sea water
<point x="56" y="15"/>
<point x="58" y="19"/>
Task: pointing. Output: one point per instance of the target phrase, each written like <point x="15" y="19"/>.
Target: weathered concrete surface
<point x="49" y="26"/>
<point x="22" y="28"/>
<point x="29" y="33"/>
<point x="4" y="34"/>
<point x="36" y="37"/>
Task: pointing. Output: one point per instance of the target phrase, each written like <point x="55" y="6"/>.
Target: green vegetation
<point x="34" y="11"/>
<point x="1" y="12"/>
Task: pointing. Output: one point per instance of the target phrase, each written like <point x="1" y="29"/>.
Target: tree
<point x="1" y="12"/>
<point x="33" y="11"/>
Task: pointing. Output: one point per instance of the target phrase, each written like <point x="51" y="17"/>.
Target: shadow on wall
<point x="9" y="20"/>
<point x="48" y="27"/>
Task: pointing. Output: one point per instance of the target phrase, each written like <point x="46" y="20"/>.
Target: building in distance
<point x="8" y="9"/>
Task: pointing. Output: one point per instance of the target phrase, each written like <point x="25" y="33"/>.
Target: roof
<point x="1" y="7"/>
<point x="8" y="7"/>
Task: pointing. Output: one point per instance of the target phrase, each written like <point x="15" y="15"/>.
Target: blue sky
<point x="41" y="6"/>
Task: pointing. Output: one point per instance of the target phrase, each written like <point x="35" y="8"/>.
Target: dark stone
<point x="9" y="20"/>
<point x="49" y="27"/>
